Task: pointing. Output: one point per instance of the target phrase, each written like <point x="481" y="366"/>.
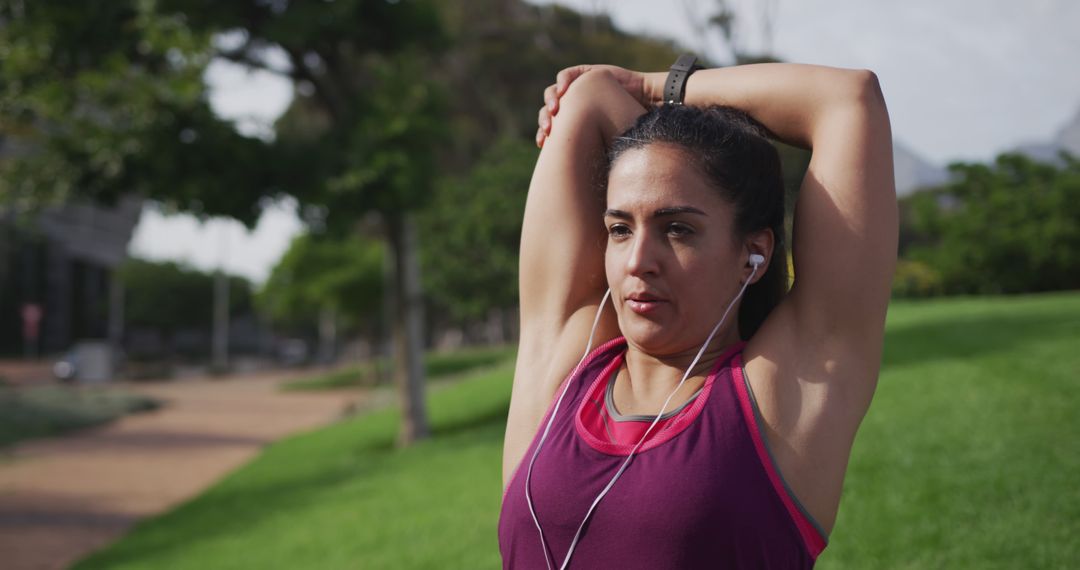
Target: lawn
<point x="439" y="365"/>
<point x="968" y="458"/>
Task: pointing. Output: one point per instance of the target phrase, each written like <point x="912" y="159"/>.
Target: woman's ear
<point x="761" y="243"/>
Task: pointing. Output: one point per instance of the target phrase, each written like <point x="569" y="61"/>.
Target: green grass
<point x="968" y="458"/>
<point x="970" y="454"/>
<point x="42" y="411"/>
<point x="438" y="366"/>
<point x="344" y="497"/>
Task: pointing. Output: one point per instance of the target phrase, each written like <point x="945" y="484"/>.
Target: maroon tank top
<point x="704" y="493"/>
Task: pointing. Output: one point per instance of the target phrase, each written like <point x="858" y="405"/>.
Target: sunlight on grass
<point x="967" y="459"/>
<point x="968" y="456"/>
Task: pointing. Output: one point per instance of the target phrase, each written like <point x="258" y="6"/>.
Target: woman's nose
<point x="642" y="258"/>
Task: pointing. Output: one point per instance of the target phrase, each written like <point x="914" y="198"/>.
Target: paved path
<point x="63" y="498"/>
<point x="25" y="372"/>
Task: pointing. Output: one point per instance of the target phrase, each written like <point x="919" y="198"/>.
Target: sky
<point x="963" y="79"/>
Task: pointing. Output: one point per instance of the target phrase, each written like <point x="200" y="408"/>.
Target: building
<point x="60" y="264"/>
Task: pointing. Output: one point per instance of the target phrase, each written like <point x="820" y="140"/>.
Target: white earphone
<point x="755" y="260"/>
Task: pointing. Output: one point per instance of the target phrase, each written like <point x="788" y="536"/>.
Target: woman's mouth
<point x="643" y="304"/>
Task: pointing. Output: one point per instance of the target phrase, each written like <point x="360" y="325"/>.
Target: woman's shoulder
<point x="548" y="349"/>
<point x="546" y="357"/>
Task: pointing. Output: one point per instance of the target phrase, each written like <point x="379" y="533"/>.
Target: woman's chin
<point x="649" y="337"/>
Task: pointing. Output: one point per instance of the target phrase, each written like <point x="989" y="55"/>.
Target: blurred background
<point x="223" y="224"/>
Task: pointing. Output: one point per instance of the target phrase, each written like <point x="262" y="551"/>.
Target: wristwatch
<point x="675" y="85"/>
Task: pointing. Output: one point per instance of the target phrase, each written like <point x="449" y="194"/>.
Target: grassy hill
<point x="967" y="459"/>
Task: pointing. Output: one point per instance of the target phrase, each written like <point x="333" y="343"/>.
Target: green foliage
<point x="438" y="366"/>
<point x="389" y="163"/>
<point x="504" y="55"/>
<point x="169" y="296"/>
<point x="1009" y="227"/>
<point x="963" y="461"/>
<point x="471" y="231"/>
<point x="318" y="273"/>
<point x="506" y="52"/>
<point x="362" y="132"/>
<point x="915" y="279"/>
<point x="101" y="98"/>
<point x="44" y="411"/>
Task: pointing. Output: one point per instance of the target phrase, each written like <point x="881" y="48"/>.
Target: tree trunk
<point x="408" y="330"/>
<point x="328" y="338"/>
<point x="220" y="335"/>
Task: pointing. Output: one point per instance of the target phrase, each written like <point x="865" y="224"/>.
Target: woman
<point x="640" y="454"/>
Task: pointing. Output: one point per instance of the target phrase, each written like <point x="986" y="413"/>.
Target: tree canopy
<point x="168" y="296"/>
<point x="396" y="106"/>
<point x="321" y="273"/>
<point x="471" y="231"/>
<point x="103" y="98"/>
<point x="1006" y="227"/>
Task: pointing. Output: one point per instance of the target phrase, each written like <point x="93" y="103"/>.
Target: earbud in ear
<point x="756" y="259"/>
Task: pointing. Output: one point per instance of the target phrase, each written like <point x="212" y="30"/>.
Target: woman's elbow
<point x="588" y="89"/>
<point x="863" y="86"/>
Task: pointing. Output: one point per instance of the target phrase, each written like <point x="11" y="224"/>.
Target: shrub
<point x="1008" y="227"/>
<point x="916" y="279"/>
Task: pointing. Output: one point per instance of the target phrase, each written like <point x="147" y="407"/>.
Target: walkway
<point x="63" y="498"/>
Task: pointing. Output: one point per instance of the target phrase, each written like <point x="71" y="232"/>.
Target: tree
<point x="330" y="284"/>
<point x="504" y="54"/>
<point x="360" y="68"/>
<point x="168" y="297"/>
<point x="107" y="98"/>
<point x="104" y="98"/>
<point x="471" y="233"/>
<point x="1006" y="227"/>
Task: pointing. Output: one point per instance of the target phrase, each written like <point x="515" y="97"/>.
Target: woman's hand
<point x="635" y="83"/>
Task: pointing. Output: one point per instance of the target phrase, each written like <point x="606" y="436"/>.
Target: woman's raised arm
<point x="561" y="270"/>
<point x="813" y="364"/>
<point x="845" y="232"/>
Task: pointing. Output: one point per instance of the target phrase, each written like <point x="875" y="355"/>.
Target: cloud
<point x="218" y="242"/>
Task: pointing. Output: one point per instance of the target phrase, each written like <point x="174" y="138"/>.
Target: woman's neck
<point x="651" y="378"/>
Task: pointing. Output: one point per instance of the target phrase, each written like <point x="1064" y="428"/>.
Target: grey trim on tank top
<point x="768" y="449"/>
<point x="613" y="412"/>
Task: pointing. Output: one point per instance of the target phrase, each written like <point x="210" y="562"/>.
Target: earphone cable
<point x="547" y="428"/>
<point x="626" y="463"/>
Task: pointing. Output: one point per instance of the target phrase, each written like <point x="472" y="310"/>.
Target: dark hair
<point x="733" y="152"/>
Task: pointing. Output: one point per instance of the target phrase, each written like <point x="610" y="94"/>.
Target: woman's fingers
<point x="551" y="99"/>
<point x="567" y="76"/>
<point x="543" y="119"/>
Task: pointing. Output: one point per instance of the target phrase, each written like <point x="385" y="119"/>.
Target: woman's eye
<point x="618" y="231"/>
<point x="679" y="230"/>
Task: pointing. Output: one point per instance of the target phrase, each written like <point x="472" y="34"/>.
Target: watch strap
<point x="675" y="84"/>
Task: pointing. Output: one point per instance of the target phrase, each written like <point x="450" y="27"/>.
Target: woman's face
<point x="672" y="260"/>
